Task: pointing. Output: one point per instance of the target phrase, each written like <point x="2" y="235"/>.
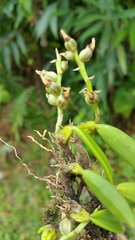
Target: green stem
<point x="58" y="67"/>
<point x="82" y="71"/>
<point x="76" y="231"/>
<point x="97" y="113"/>
<point x="59" y="120"/>
<point x="59" y="72"/>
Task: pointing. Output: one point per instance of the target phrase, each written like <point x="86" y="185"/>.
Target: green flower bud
<point x="53" y="88"/>
<point x="64" y="66"/>
<point x="74" y="168"/>
<point x="52" y="100"/>
<point x="81" y="216"/>
<point x="85" y="54"/>
<point x="65" y="226"/>
<point x="62" y="103"/>
<point x="48" y="233"/>
<point x="70" y="43"/>
<point x="66" y="133"/>
<point x="68" y="55"/>
<point x="88" y="126"/>
<point x="63" y="100"/>
<point x="66" y="92"/>
<point x="91" y="98"/>
<point x="47" y="75"/>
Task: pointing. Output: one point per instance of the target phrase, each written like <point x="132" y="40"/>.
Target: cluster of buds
<point x="91" y="98"/>
<point x="56" y="95"/>
<point x="71" y="46"/>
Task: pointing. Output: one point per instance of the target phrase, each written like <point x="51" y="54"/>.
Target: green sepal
<point x="105" y="219"/>
<point x="96" y="150"/>
<point x="127" y="190"/>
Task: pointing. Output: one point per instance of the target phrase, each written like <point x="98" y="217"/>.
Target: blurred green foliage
<point x="23" y="198"/>
<point x="29" y="32"/>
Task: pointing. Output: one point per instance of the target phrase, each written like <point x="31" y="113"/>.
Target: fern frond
<point x="19" y="110"/>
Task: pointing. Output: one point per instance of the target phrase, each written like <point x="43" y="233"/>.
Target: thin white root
<point x="24" y="164"/>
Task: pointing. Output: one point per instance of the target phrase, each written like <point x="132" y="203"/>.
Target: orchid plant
<point x="85" y="204"/>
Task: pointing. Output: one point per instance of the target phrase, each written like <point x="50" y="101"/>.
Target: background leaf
<point x="45" y="20"/>
<point x="121" y="55"/>
<point x="124" y="101"/>
<point x="15" y="52"/>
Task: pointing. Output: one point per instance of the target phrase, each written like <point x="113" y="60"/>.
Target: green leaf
<point x="8" y="9"/>
<point x="53" y="23"/>
<point x="109" y="196"/>
<point x="86" y="21"/>
<point x="21" y="44"/>
<point x="122" y="34"/>
<point x="124" y="100"/>
<point x="67" y="24"/>
<point x="118" y="141"/>
<point x="19" y="16"/>
<point x="45" y="20"/>
<point x="125" y="14"/>
<point x="132" y="35"/>
<point x="122" y="58"/>
<point x="15" y="52"/>
<point x="96" y="150"/>
<point x="26" y="6"/>
<point x="127" y="190"/>
<point x="110" y="66"/>
<point x="4" y="95"/>
<point x="104" y="43"/>
<point x="19" y="109"/>
<point x="91" y="31"/>
<point x="106" y="220"/>
<point x="93" y="2"/>
<point x="6" y="52"/>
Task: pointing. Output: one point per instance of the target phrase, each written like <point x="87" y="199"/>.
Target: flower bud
<point x="65" y="226"/>
<point x="91" y="98"/>
<point x="53" y="88"/>
<point x="48" y="233"/>
<point x="66" y="92"/>
<point x="62" y="102"/>
<point x="63" y="99"/>
<point x="85" y="54"/>
<point x="70" y="43"/>
<point x="66" y="133"/>
<point x="68" y="55"/>
<point x="47" y="75"/>
<point x="64" y="66"/>
<point x="52" y="100"/>
<point x="81" y="216"/>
